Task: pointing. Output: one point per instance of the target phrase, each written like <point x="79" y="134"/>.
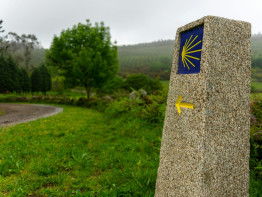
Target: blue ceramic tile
<point x="190" y="51"/>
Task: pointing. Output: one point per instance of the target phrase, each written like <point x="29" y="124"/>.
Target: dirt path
<point x="11" y="114"/>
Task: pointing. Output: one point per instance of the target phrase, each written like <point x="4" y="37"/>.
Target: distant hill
<point x="256" y="45"/>
<point x="155" y="58"/>
<point x="256" y="72"/>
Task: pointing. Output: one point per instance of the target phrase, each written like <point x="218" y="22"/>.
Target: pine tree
<point x="13" y="72"/>
<point x="41" y="80"/>
<point x="36" y="80"/>
<point x="3" y="75"/>
<point x="9" y="75"/>
<point x="25" y="83"/>
<point x="45" y="79"/>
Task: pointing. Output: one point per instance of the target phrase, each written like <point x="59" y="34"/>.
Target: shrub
<point x="121" y="106"/>
<point x="141" y="81"/>
<point x="66" y="101"/>
<point x="58" y="85"/>
<point x="255" y="162"/>
<point x="150" y="108"/>
<point x="256" y="109"/>
<point x="113" y="84"/>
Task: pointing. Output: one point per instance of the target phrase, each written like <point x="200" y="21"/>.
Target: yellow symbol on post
<point x="187" y="49"/>
<point x="179" y="104"/>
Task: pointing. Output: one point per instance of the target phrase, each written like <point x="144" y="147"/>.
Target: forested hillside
<point x="155" y="58"/>
<point x="256" y="45"/>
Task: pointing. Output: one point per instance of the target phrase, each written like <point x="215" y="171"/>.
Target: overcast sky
<point x="130" y="21"/>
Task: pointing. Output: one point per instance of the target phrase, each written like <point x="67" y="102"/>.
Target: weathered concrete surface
<point x="205" y="150"/>
<point x="18" y="113"/>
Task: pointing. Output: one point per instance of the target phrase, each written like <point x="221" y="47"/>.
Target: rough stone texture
<point x="205" y="150"/>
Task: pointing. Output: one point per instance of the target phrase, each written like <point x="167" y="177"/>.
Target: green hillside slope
<point x="256" y="45"/>
<point x="155" y="58"/>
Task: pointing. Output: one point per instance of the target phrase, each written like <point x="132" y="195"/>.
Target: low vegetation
<point x="108" y="147"/>
<point x="141" y="81"/>
<point x="84" y="152"/>
<point x="255" y="163"/>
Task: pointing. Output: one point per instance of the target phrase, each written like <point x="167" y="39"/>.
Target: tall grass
<point x="79" y="152"/>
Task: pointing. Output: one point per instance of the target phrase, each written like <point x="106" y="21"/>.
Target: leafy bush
<point x="141" y="81"/>
<point x="256" y="62"/>
<point x="256" y="108"/>
<point x="255" y="162"/>
<point x="113" y="84"/>
<point x="150" y="108"/>
<point x="58" y="85"/>
<point x="83" y="102"/>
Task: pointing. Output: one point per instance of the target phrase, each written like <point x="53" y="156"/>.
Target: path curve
<point x="18" y="113"/>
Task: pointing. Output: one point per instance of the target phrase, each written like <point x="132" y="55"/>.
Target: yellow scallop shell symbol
<point x="187" y="49"/>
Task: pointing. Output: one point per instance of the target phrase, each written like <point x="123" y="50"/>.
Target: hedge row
<point x="83" y="102"/>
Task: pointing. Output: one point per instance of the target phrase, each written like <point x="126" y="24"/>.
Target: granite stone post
<point x="205" y="142"/>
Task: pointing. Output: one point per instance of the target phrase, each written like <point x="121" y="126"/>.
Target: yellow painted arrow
<point x="179" y="104"/>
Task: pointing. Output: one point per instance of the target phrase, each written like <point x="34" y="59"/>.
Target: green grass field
<point x="84" y="152"/>
<point x="80" y="152"/>
<point x="257" y="85"/>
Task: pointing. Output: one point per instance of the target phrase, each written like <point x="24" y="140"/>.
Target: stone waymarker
<point x="205" y="142"/>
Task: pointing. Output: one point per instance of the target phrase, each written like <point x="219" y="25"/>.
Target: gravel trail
<point x="11" y="114"/>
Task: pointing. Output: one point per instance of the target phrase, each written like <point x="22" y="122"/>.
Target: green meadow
<point x="110" y="149"/>
<point x="79" y="152"/>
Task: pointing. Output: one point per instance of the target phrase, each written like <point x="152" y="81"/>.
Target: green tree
<point x="256" y="62"/>
<point x="4" y="78"/>
<point x="9" y="75"/>
<point x="13" y="70"/>
<point x="44" y="79"/>
<point x="35" y="80"/>
<point x="40" y="79"/>
<point x="85" y="55"/>
<point x="24" y="80"/>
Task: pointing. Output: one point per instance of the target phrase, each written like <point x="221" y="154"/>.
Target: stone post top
<point x="216" y="20"/>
